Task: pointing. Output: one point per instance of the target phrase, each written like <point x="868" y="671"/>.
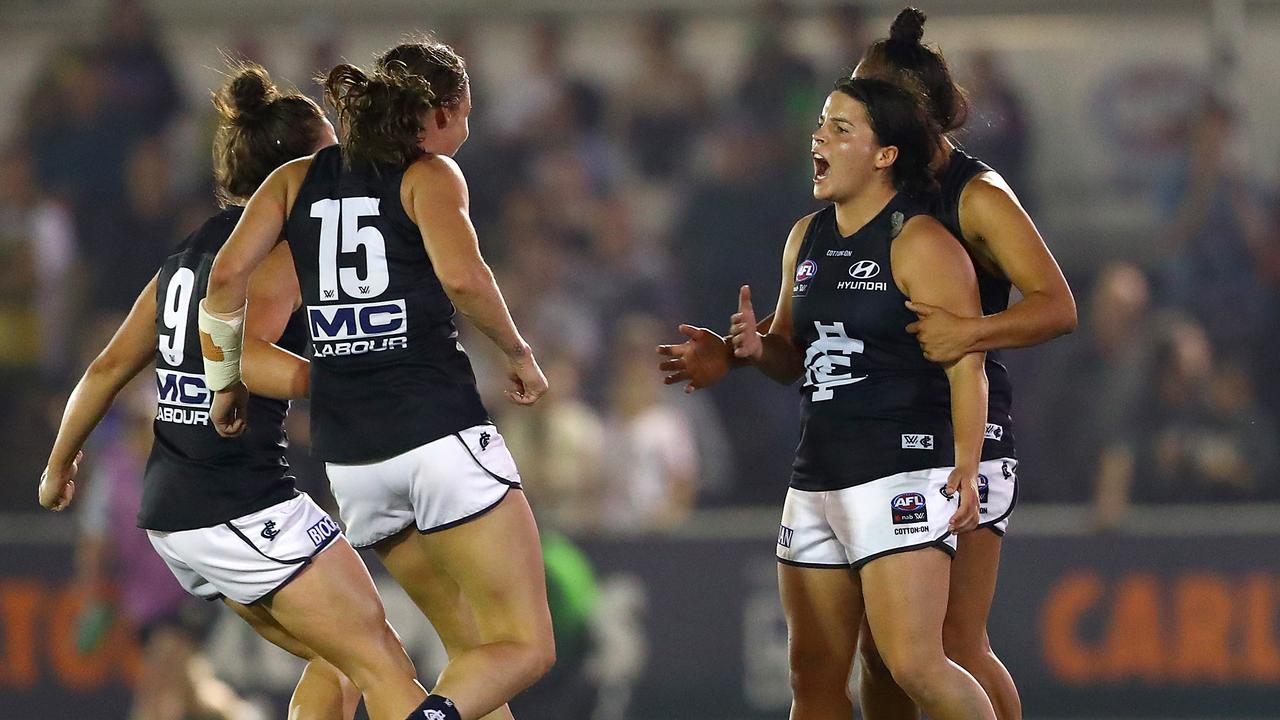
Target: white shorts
<point x="853" y="526"/>
<point x="997" y="493"/>
<point x="434" y="487"/>
<point x="250" y="557"/>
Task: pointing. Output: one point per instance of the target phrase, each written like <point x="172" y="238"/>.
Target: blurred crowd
<point x="610" y="212"/>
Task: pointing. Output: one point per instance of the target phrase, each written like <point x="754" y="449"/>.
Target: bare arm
<point x="270" y="370"/>
<point x="436" y="199"/>
<point x="931" y="267"/>
<point x="1047" y="308"/>
<point x="257" y="232"/>
<point x="1004" y="236"/>
<point x="774" y="352"/>
<point x="130" y="350"/>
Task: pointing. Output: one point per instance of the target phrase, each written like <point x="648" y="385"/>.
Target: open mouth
<point x="820" y="168"/>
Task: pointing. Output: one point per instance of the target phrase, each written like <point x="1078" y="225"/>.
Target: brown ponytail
<point x="382" y="112"/>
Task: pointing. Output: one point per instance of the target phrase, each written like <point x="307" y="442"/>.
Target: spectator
<point x="37" y="262"/>
<point x="1098" y="383"/>
<point x="175" y="680"/>
<point x="999" y="131"/>
<point x="1209" y="271"/>
<point x="651" y="484"/>
<point x="561" y="447"/>
<point x="1207" y="439"/>
<point x="665" y="104"/>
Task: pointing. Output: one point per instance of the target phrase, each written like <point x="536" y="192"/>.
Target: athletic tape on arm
<point x="220" y="342"/>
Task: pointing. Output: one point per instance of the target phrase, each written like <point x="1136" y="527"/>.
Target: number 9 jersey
<point x="194" y="477"/>
<point x="872" y="406"/>
<point x="387" y="371"/>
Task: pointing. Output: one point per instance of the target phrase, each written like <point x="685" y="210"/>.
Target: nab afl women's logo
<point x="909" y="508"/>
<point x="804" y="274"/>
<point x="806" y="271"/>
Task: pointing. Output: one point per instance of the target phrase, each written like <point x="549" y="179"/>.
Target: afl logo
<point x="864" y="269"/>
<point x="908" y="502"/>
<point x="806" y="271"/>
<point x="909" y="508"/>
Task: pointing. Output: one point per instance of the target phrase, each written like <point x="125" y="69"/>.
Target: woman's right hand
<point x="58" y="484"/>
<point x="965" y="482"/>
<point x="230" y="409"/>
<point x="702" y="360"/>
<point x="744" y="337"/>
<point x="527" y="381"/>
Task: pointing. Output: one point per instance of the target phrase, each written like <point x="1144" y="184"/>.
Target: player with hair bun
<point x="980" y="209"/>
<point x="886" y="472"/>
<point x="224" y="513"/>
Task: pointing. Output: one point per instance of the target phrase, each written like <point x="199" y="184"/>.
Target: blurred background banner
<point x="1178" y="621"/>
<point x="631" y="164"/>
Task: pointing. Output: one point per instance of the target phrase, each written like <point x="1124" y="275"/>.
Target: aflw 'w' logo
<point x="828" y="362"/>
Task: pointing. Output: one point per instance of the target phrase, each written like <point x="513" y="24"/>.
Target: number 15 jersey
<point x="387" y="372"/>
<point x="872" y="406"/>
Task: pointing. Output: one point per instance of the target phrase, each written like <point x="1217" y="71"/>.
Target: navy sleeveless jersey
<point x="194" y="477"/>
<point x="872" y="406"/>
<point x="387" y="372"/>
<point x="994" y="290"/>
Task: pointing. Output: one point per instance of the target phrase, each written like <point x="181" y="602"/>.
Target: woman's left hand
<point x="943" y="336"/>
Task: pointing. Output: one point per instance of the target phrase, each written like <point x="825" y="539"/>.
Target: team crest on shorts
<point x="909" y="508"/>
<point x="784" y="536"/>
<point x="984" y="490"/>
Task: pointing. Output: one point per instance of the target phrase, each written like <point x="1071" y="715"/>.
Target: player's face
<point x="448" y="127"/>
<point x="845" y="150"/>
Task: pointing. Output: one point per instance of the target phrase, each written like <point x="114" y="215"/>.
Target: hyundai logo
<point x="864" y="269"/>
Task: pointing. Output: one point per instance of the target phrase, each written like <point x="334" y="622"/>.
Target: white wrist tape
<point x="220" y="342"/>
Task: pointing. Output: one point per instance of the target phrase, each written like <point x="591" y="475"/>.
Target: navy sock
<point x="436" y="707"/>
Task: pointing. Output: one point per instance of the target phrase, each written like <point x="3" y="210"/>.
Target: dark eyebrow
<point x="841" y="119"/>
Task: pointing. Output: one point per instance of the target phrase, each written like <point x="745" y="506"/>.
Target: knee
<point x="816" y="673"/>
<point x="965" y="647"/>
<point x="915" y="671"/>
<point x="873" y="665"/>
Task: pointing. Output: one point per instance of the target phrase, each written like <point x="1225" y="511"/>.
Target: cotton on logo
<point x="864" y="269"/>
<point x="829" y="361"/>
<point x="433" y="715"/>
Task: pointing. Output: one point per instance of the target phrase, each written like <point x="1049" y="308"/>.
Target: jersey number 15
<point x="375" y="278"/>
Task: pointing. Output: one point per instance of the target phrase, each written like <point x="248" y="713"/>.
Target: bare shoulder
<point x="923" y="236"/>
<point x="802" y="225"/>
<point x="798" y="230"/>
<point x="435" y="171"/>
<point x="987" y="191"/>
<point x="295" y="171"/>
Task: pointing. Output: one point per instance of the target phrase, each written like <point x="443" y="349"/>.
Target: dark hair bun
<point x="908" y="27"/>
<point x="247" y="94"/>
